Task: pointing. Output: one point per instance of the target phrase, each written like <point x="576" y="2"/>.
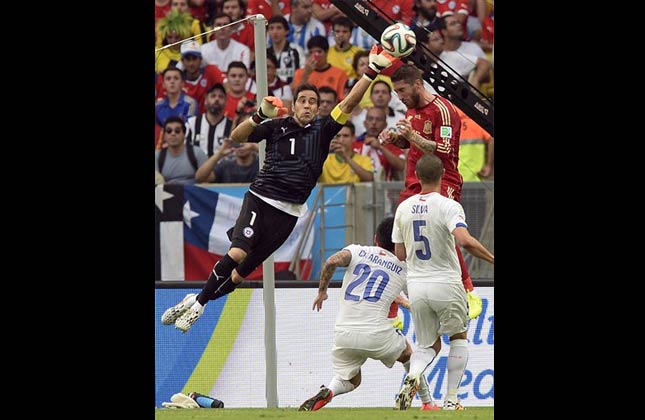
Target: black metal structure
<point x="481" y="109"/>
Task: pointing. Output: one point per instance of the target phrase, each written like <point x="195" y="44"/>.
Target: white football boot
<point x="171" y="314"/>
<point x="188" y="318"/>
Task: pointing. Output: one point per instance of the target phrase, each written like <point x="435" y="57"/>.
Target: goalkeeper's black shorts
<point x="260" y="229"/>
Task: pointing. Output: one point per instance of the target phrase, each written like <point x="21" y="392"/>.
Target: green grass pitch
<point x="327" y="413"/>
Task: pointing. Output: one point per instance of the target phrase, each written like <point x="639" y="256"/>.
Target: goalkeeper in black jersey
<point x="296" y="148"/>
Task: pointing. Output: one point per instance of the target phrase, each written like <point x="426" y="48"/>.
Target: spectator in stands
<point x="242" y="168"/>
<point x="388" y="161"/>
<point x="425" y="15"/>
<point x="176" y="102"/>
<point x="238" y="99"/>
<point x="476" y="150"/>
<point x="381" y="97"/>
<point x="438" y="302"/>
<point x="460" y="9"/>
<point x="276" y="87"/>
<point x="208" y="130"/>
<point x="465" y="58"/>
<point x="172" y="29"/>
<point x="362" y="331"/>
<point x="269" y="8"/>
<point x="197" y="78"/>
<point x="197" y="28"/>
<point x="341" y="54"/>
<point x="343" y="165"/>
<point x="486" y="14"/>
<point x="303" y="26"/>
<point x="325" y="11"/>
<point x="360" y="63"/>
<point x="328" y="100"/>
<point x="317" y="70"/>
<point x="290" y="56"/>
<point x="433" y="40"/>
<point x="224" y="50"/>
<point x="243" y="31"/>
<point x="176" y="163"/>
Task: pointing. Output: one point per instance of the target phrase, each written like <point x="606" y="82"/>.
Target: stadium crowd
<point x="209" y="81"/>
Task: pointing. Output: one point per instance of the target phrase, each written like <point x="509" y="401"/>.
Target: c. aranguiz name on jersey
<point x="294" y="157"/>
<point x="378" y="260"/>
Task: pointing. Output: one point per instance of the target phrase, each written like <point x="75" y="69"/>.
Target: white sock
<point x="424" y="392"/>
<point x="420" y="359"/>
<point x="457" y="360"/>
<point x="340" y="386"/>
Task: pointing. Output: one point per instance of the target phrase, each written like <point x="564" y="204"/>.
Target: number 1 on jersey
<point x="293" y="145"/>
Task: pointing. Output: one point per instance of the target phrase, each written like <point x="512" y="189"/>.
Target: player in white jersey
<point x="426" y="226"/>
<point x="373" y="279"/>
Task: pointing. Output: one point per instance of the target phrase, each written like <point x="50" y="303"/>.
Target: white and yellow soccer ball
<point x="398" y="40"/>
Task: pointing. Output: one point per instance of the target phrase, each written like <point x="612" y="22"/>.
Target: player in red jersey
<point x="431" y="125"/>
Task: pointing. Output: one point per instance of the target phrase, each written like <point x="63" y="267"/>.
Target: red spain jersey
<point x="438" y="121"/>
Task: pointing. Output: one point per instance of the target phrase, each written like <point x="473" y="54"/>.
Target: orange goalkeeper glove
<point x="270" y="107"/>
<point x="378" y="61"/>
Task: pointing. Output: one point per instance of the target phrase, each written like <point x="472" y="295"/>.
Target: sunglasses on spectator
<point x="177" y="130"/>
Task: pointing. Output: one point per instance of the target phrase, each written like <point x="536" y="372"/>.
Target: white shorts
<point x="437" y="309"/>
<point x="352" y="349"/>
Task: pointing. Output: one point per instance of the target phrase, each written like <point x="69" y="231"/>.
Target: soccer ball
<point x="398" y="40"/>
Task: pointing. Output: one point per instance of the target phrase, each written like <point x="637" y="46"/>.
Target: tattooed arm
<point x="408" y="134"/>
<point x="425" y="145"/>
<point x="339" y="259"/>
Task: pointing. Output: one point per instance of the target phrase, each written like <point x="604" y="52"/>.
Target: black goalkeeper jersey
<point x="294" y="156"/>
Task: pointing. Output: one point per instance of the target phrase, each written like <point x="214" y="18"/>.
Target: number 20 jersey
<point x="372" y="280"/>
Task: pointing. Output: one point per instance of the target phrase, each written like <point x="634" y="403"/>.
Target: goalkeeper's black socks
<point x="220" y="274"/>
<point x="226" y="288"/>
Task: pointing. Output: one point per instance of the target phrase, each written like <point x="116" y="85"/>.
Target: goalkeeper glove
<point x="378" y="61"/>
<point x="474" y="304"/>
<point x="270" y="107"/>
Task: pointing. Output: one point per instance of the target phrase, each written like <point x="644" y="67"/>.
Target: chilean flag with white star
<point x="206" y="215"/>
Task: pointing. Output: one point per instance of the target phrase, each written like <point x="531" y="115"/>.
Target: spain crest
<point x="427" y="127"/>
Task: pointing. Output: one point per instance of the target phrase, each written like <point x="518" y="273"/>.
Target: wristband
<point x="370" y="74"/>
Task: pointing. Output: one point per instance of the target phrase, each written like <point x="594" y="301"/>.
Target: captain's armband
<point x="339" y="116"/>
